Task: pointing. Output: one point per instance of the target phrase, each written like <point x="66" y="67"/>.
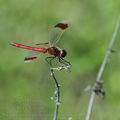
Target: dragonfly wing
<point x="46" y="43"/>
<point x="33" y="51"/>
<point x="57" y="32"/>
<point x="32" y="55"/>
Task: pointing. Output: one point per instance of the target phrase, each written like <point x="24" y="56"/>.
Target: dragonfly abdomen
<point x="38" y="49"/>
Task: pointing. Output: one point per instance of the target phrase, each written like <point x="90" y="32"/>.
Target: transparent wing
<point x="31" y="55"/>
<point x="42" y="43"/>
<point x="56" y="33"/>
<point x="33" y="51"/>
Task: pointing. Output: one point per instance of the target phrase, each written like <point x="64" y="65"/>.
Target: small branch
<point x="63" y="66"/>
<point x="57" y="96"/>
<point x="101" y="70"/>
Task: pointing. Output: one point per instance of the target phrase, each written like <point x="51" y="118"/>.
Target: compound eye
<point x="64" y="53"/>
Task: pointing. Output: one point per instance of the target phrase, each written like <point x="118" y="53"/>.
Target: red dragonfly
<point x="55" y="35"/>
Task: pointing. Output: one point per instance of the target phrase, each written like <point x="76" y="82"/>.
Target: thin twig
<point x="102" y="69"/>
<point x="63" y="66"/>
<point x="57" y="96"/>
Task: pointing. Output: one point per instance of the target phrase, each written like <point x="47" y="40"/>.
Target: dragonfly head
<point x="63" y="53"/>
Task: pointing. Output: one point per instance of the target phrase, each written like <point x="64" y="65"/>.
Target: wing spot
<point x="62" y="26"/>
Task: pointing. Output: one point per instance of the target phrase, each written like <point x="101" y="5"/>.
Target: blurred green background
<point x="26" y="88"/>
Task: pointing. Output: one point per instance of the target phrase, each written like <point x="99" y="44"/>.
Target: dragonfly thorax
<point x="57" y="52"/>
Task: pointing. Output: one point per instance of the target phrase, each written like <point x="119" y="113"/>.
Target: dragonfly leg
<point x="49" y="60"/>
<point x="65" y="62"/>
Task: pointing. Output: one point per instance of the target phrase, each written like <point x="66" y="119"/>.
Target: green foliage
<point x="26" y="88"/>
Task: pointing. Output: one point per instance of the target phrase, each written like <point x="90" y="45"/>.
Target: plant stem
<point x="64" y="65"/>
<point x="102" y="69"/>
<point x="57" y="96"/>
